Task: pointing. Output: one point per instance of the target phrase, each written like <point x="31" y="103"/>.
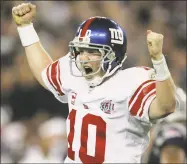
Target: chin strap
<point x="98" y="80"/>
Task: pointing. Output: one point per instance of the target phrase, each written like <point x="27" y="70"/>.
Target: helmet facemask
<point x="107" y="57"/>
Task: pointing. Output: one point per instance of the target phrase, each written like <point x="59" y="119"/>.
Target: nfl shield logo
<point x="107" y="106"/>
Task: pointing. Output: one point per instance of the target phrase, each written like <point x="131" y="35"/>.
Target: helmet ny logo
<point x="116" y="36"/>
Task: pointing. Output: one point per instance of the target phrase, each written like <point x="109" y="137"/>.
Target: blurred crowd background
<point x="30" y="115"/>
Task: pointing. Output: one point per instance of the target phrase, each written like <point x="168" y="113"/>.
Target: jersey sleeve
<point x="143" y="93"/>
<point x="54" y="77"/>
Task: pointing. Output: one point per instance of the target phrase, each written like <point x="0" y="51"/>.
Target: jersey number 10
<point x="100" y="138"/>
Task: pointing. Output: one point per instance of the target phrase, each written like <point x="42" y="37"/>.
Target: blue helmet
<point x="104" y="35"/>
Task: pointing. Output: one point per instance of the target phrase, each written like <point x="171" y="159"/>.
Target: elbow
<point x="171" y="107"/>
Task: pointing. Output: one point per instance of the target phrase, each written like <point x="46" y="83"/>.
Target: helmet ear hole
<point x="105" y="66"/>
<point x="118" y="60"/>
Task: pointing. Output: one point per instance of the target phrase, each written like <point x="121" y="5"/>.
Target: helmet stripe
<point x="85" y="27"/>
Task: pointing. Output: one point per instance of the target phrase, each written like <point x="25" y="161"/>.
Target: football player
<point x="110" y="110"/>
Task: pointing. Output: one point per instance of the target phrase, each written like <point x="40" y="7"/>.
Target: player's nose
<point x="84" y="55"/>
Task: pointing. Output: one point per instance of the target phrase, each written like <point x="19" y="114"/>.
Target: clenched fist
<point x="24" y="13"/>
<point x="155" y="43"/>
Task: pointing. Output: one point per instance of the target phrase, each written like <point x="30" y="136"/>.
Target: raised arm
<point x="37" y="57"/>
<point x="165" y="101"/>
<point x="38" y="60"/>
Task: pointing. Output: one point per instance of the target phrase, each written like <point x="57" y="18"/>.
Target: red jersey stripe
<point x="48" y="77"/>
<point x="54" y="77"/>
<point x="85" y="28"/>
<point x="136" y="106"/>
<point x="59" y="74"/>
<point x="145" y="102"/>
<point x="137" y="90"/>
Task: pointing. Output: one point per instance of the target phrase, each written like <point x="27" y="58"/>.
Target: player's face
<point x="90" y="62"/>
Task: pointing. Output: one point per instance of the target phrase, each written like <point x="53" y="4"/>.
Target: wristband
<point x="27" y="35"/>
<point x="161" y="69"/>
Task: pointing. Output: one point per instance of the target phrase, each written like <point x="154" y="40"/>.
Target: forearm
<point x="165" y="94"/>
<point x="165" y="101"/>
<point x="38" y="60"/>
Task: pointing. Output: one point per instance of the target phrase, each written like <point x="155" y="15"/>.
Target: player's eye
<point x="90" y="51"/>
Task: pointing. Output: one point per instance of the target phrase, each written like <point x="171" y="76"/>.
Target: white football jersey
<point x="107" y="123"/>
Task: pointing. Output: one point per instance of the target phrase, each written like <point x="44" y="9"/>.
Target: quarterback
<point x="111" y="109"/>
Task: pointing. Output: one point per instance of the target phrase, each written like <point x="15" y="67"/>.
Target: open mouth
<point x="88" y="70"/>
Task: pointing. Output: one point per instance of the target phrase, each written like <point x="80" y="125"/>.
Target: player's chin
<point x="89" y="77"/>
